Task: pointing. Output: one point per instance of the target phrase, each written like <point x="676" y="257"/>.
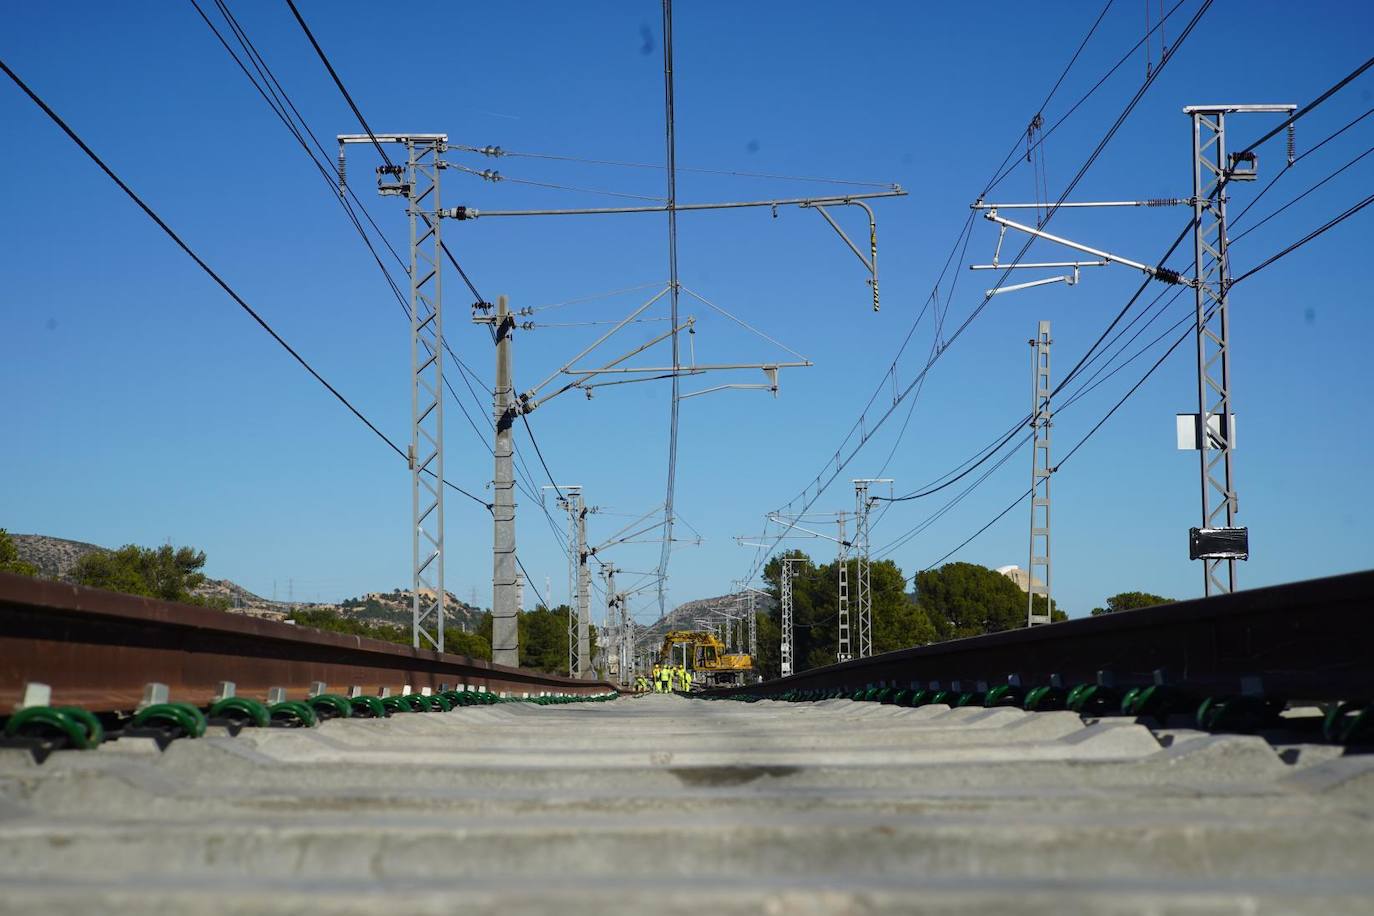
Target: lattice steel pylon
<point x="753" y="628"/>
<point x="1213" y="172"/>
<point x="579" y="582"/>
<point x="426" y="451"/>
<point x="418" y="182"/>
<point x="863" y="592"/>
<point x="1041" y="469"/>
<point x="842" y="652"/>
<point x="785" y="595"/>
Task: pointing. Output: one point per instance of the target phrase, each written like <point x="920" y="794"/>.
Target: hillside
<point x="56" y="558"/>
<point x="686" y="615"/>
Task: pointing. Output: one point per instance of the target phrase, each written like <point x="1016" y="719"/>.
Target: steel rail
<point x="1302" y="641"/>
<point x="97" y="649"/>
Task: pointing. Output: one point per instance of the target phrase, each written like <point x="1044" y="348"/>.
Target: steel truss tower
<point x="785" y="589"/>
<point x="842" y="653"/>
<point x="579" y="577"/>
<point x="579" y="584"/>
<point x="863" y="592"/>
<point x="1041" y="469"/>
<point x="753" y="628"/>
<point x="418" y="182"/>
<point x="1213" y="171"/>
<point x="426" y="454"/>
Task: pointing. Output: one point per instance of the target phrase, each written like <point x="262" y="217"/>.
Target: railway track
<point x="778" y="798"/>
<point x="81" y="666"/>
<point x="1247" y="654"/>
<point x="675" y="805"/>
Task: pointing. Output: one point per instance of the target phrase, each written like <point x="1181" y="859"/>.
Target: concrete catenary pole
<point x="505" y="638"/>
<point x="584" y="591"/>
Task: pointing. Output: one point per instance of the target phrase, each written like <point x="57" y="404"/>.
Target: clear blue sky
<point x="143" y="405"/>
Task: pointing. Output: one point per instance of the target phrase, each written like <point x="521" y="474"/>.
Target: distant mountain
<point x="686" y="615"/>
<point x="394" y="607"/>
<point x="56" y="558"/>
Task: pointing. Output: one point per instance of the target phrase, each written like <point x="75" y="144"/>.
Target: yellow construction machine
<point x="707" y="662"/>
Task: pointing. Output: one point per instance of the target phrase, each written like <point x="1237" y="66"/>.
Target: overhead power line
<point x="362" y="121"/>
<point x="1301" y="196"/>
<point x="1314" y="234"/>
<point x="276" y="97"/>
<point x="200" y="262"/>
<point x="1047" y="132"/>
<point x="1308" y="152"/>
<point x="343" y="90"/>
<point x="497" y="151"/>
<point x="840" y="461"/>
<point x="1307" y="109"/>
<point x="1311" y="236"/>
<point x="1016" y="144"/>
<point x="1081" y="442"/>
<point x="1100" y="377"/>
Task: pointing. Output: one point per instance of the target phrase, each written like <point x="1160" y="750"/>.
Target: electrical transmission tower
<point x="1041" y="469"/>
<point x="793" y="523"/>
<point x="579" y="579"/>
<point x="753" y="628"/>
<point x="1217" y="542"/>
<point x="863" y="592"/>
<point x="785" y="590"/>
<point x="842" y="653"/>
<point x="418" y="182"/>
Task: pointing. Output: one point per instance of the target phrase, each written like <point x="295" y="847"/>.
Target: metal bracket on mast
<point x="1162" y="274"/>
<point x="870" y="262"/>
<point x="1070" y="280"/>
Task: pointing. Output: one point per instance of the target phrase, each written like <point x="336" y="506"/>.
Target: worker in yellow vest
<point x="665" y="678"/>
<point x="657" y="679"/>
<point x="686" y="678"/>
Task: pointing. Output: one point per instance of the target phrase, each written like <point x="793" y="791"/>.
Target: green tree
<point x="331" y="622"/>
<point x="898" y="621"/>
<point x="166" y="572"/>
<point x="543" y="635"/>
<point x="9" y="557"/>
<point x="965" y="599"/>
<point x="460" y="642"/>
<point x="1129" y="601"/>
<point x="456" y="641"/>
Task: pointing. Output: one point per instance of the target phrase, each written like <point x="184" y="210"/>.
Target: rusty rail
<point x="1310" y="640"/>
<point x="97" y="649"/>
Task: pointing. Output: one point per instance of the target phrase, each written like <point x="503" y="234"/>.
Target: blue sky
<point x="143" y="404"/>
